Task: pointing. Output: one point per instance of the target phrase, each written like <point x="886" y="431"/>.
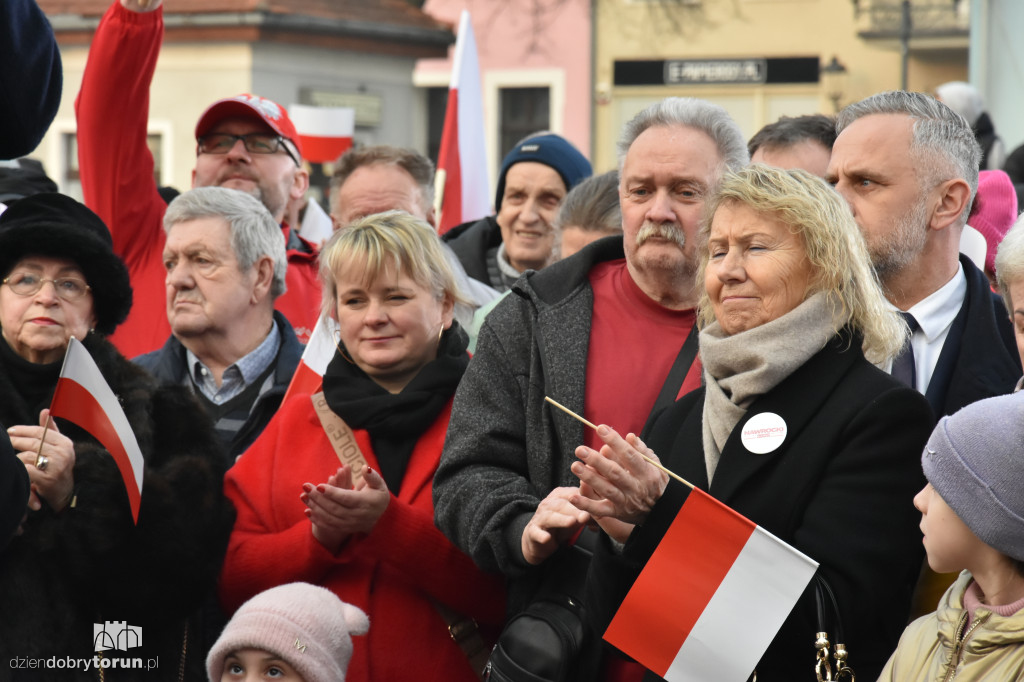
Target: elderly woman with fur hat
<point x="80" y="566"/>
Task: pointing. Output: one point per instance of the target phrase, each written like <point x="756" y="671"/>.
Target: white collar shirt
<point x="935" y="315"/>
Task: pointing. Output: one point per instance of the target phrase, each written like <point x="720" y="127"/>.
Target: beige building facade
<point x="761" y="59"/>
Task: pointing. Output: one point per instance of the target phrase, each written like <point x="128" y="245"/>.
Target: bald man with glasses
<point x="244" y="142"/>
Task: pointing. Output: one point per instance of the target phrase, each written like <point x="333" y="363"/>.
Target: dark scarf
<point x="395" y="421"/>
<point x="33" y="381"/>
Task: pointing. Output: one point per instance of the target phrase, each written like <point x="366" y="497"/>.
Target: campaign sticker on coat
<point x="763" y="433"/>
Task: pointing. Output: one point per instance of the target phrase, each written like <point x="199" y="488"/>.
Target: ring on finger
<point x="42" y="462"/>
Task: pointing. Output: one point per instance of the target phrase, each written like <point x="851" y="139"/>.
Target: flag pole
<point x="46" y="426"/>
<point x="565" y="409"/>
<point x="440" y="177"/>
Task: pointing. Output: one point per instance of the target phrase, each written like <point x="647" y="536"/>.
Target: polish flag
<point x="462" y="185"/>
<point x="325" y="132"/>
<point x="313" y="363"/>
<point x="83" y="397"/>
<point x="712" y="596"/>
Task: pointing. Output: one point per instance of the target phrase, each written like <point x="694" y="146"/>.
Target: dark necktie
<point x="903" y="367"/>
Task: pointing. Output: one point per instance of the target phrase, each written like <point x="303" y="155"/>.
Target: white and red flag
<point x="462" y="184"/>
<point x="83" y="397"/>
<point x="712" y="596"/>
<point x="325" y="132"/>
<point x="319" y="350"/>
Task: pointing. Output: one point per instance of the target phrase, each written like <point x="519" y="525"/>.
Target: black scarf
<point x="33" y="381"/>
<point x="395" y="421"/>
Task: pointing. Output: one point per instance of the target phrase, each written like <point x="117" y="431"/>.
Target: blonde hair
<point x="391" y="239"/>
<point x="832" y="242"/>
<point x="1010" y="262"/>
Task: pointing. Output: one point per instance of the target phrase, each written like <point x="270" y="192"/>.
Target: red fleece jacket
<point x="395" y="573"/>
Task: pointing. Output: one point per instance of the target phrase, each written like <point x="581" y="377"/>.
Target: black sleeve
<point x="13" y="490"/>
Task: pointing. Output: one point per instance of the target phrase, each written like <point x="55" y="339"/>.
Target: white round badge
<point x="763" y="433"/>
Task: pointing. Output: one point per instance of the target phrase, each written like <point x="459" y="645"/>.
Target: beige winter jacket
<point x="940" y="648"/>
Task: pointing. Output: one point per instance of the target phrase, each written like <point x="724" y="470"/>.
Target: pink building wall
<point x="517" y="37"/>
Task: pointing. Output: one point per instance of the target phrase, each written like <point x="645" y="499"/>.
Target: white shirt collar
<point x="936" y="312"/>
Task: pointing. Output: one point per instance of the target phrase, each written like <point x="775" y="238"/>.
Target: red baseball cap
<point x="250" y="106"/>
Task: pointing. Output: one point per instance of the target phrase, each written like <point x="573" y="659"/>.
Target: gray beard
<point x="902" y="245"/>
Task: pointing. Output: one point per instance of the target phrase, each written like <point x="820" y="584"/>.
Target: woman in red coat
<point x="369" y="536"/>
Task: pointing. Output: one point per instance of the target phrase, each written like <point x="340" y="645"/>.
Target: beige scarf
<point x="741" y="367"/>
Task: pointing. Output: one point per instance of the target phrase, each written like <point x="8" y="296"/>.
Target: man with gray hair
<point x="226" y="265"/>
<point x="606" y="333"/>
<point x="908" y="166"/>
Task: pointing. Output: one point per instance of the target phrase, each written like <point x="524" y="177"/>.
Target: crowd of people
<point x="426" y="512"/>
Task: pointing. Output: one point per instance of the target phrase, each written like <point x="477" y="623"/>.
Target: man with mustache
<point x="245" y="142"/>
<point x="535" y="177"/>
<point x="606" y="333"/>
<point x="225" y="265"/>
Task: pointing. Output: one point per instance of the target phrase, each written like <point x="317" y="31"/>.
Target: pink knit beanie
<point x="994" y="211"/>
<point x="305" y="625"/>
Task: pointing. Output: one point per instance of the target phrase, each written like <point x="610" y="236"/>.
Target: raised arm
<point x="112" y="111"/>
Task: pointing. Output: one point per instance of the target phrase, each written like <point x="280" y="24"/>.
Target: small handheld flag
<point x="313" y="363"/>
<point x="712" y="597"/>
<point x="83" y="397"/>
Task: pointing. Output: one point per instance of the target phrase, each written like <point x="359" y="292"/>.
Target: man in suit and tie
<point x="908" y="166"/>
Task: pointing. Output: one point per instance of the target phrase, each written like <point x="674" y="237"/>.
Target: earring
<point x="440" y="333"/>
<point x="337" y="344"/>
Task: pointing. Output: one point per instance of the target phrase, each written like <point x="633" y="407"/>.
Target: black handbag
<point x="829" y="620"/>
<point x="546" y="641"/>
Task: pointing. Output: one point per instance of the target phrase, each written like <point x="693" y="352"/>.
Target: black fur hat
<point x="56" y="225"/>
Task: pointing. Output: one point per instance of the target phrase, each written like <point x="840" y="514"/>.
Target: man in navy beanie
<point x="535" y="177"/>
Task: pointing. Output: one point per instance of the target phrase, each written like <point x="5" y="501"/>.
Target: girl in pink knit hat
<point x="291" y="633"/>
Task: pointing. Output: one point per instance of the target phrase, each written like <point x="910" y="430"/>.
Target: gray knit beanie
<point x="975" y="461"/>
<point x="304" y="625"/>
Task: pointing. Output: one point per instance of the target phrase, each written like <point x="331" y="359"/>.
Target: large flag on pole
<point x="712" y="596"/>
<point x="462" y="184"/>
<point x="319" y="351"/>
<point x="83" y="397"/>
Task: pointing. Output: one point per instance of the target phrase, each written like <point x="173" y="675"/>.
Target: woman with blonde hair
<point x="792" y="320"/>
<point x="367" y="532"/>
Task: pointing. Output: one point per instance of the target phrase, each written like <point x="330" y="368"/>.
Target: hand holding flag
<point x="712" y="570"/>
<point x="52" y="458"/>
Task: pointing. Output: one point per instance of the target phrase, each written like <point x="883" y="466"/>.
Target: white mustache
<point x="667" y="231"/>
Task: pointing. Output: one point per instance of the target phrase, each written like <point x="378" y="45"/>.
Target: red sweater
<point x="394" y="573"/>
<point x="117" y="179"/>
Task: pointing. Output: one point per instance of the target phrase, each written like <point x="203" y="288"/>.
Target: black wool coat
<point x="90" y="564"/>
<point x="839" y="488"/>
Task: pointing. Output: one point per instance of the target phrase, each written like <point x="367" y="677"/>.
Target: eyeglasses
<point x="255" y="143"/>
<point x="26" y="284"/>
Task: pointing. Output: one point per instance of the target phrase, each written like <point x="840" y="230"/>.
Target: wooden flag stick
<point x="46" y="427"/>
<point x="569" y="412"/>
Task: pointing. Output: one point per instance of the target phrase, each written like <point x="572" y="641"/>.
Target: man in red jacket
<point x="245" y="142"/>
